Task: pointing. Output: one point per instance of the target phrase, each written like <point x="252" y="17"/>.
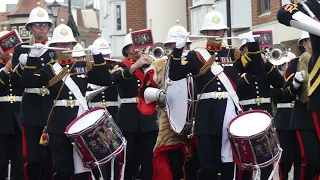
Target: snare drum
<point x="96" y="137"/>
<point x="180" y="105"/>
<point x="253" y="140"/>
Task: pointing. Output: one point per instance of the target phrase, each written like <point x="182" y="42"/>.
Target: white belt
<point x="41" y="91"/>
<point x="256" y="101"/>
<point x="104" y="104"/>
<point x="213" y="95"/>
<point x="285" y="105"/>
<point x="129" y="100"/>
<point x="10" y="99"/>
<point x="67" y="103"/>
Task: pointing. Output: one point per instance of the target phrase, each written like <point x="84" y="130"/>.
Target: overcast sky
<point x="4" y="2"/>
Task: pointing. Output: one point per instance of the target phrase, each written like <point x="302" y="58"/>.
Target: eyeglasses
<point x="40" y="25"/>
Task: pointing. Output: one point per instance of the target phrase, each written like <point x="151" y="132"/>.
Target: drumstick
<point x="46" y="47"/>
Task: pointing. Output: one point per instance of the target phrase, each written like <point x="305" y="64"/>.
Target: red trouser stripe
<point x="303" y="155"/>
<point x="24" y="152"/>
<point x="316" y="123"/>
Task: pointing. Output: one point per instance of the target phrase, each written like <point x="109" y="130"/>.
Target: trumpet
<point x="158" y="51"/>
<point x="277" y="54"/>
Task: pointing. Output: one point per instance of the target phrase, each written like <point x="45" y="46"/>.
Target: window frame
<point x="265" y="10"/>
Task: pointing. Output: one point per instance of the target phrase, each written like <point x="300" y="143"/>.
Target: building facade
<point x="118" y="16"/>
<point x="246" y="15"/>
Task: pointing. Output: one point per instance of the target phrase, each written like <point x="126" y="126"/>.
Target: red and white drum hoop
<point x="253" y="140"/>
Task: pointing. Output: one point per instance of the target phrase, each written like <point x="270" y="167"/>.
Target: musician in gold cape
<point x="172" y="152"/>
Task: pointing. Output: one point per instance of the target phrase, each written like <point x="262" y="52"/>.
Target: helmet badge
<point x="215" y="19"/>
<point x="64" y="31"/>
<point x="40" y="14"/>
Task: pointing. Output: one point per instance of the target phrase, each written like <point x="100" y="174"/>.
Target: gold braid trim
<point x="206" y="66"/>
<point x="58" y="77"/>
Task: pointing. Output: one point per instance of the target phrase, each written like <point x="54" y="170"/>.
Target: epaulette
<point x="116" y="68"/>
<point x="25" y="42"/>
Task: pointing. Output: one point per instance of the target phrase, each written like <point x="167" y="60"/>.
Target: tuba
<point x="303" y="65"/>
<point x="277" y="54"/>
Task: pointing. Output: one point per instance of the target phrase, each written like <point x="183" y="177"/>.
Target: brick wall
<point x="274" y="7"/>
<point x="136" y="14"/>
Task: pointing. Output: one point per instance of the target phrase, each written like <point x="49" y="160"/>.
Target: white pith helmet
<point x="78" y="53"/>
<point x="62" y="34"/>
<point x="127" y="42"/>
<point x="304" y="35"/>
<point x="38" y="15"/>
<point x="103" y="45"/>
<point x="213" y="20"/>
<point x="175" y="30"/>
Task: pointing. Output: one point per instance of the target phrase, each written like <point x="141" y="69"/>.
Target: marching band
<point x="166" y="110"/>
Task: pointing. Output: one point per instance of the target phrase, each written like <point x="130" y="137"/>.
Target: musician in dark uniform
<point x="254" y="93"/>
<point x="301" y="119"/>
<point x="140" y="130"/>
<point x="108" y="99"/>
<point x="10" y="129"/>
<point x="282" y="122"/>
<point x="36" y="101"/>
<point x="215" y="107"/>
<point x="306" y="126"/>
<point x="69" y="102"/>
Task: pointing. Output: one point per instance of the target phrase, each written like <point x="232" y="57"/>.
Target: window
<point x="264" y="6"/>
<point x="118" y="17"/>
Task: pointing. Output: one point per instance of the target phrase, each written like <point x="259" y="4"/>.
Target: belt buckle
<point x="258" y="101"/>
<point x="292" y="105"/>
<point x="11" y="99"/>
<point x="71" y="103"/>
<point x="220" y="95"/>
<point x="103" y="103"/>
<point x="43" y="91"/>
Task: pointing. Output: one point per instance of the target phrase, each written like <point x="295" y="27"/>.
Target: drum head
<point x="85" y="121"/>
<point x="177" y="104"/>
<point x="249" y="123"/>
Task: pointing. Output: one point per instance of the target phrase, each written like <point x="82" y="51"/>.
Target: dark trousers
<point x="38" y="157"/>
<point x="309" y="148"/>
<point x="62" y="151"/>
<point x="192" y="166"/>
<point x="176" y="162"/>
<point x="140" y="152"/>
<point x="291" y="154"/>
<point x="11" y="149"/>
<point x="209" y="151"/>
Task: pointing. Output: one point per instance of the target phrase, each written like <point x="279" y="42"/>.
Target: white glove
<point x="94" y="49"/>
<point x="298" y="79"/>
<point x="23" y="60"/>
<point x="36" y="52"/>
<point x="247" y="36"/>
<point x="181" y="40"/>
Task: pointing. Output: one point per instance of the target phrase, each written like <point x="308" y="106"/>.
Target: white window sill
<point x="265" y="14"/>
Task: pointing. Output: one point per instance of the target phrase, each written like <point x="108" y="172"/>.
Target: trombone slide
<point x="87" y="49"/>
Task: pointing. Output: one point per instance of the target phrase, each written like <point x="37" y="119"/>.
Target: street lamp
<point x="55" y="9"/>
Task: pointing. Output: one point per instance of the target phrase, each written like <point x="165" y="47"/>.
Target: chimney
<point x="24" y="7"/>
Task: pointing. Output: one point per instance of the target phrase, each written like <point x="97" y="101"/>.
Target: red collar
<point x="65" y="62"/>
<point x="213" y="48"/>
<point x="43" y="42"/>
<point x="131" y="60"/>
<point x="3" y="61"/>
